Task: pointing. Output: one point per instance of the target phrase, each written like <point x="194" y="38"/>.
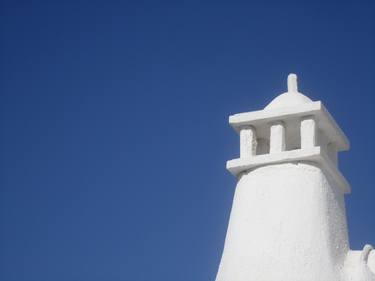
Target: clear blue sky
<point x="114" y="132"/>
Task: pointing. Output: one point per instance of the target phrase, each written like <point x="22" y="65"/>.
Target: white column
<point x="332" y="153"/>
<point x="277" y="138"/>
<point x="248" y="142"/>
<point x="308" y="132"/>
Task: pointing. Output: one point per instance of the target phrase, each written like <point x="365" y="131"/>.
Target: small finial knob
<point x="292" y="83"/>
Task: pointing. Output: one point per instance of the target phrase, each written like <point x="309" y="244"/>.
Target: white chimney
<point x="288" y="219"/>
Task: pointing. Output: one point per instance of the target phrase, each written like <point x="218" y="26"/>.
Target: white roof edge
<point x="265" y="115"/>
<point x="314" y="154"/>
<point x="317" y="109"/>
<point x="345" y="145"/>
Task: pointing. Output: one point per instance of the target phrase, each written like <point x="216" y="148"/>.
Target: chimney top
<point x="291" y="98"/>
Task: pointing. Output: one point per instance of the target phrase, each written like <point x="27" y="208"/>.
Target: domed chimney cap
<point x="290" y="98"/>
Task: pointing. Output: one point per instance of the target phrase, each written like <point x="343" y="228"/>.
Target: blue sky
<point x="114" y="130"/>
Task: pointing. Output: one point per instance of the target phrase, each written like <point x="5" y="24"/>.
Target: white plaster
<point x="332" y="153"/>
<point x="248" y="142"/>
<point x="284" y="226"/>
<point x="371" y="261"/>
<point x="290" y="98"/>
<point x="292" y="83"/>
<point x="288" y="219"/>
<point x="314" y="154"/>
<point x="263" y="146"/>
<point x="308" y="132"/>
<point x="324" y="120"/>
<point x="358" y="266"/>
<point x="277" y="139"/>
